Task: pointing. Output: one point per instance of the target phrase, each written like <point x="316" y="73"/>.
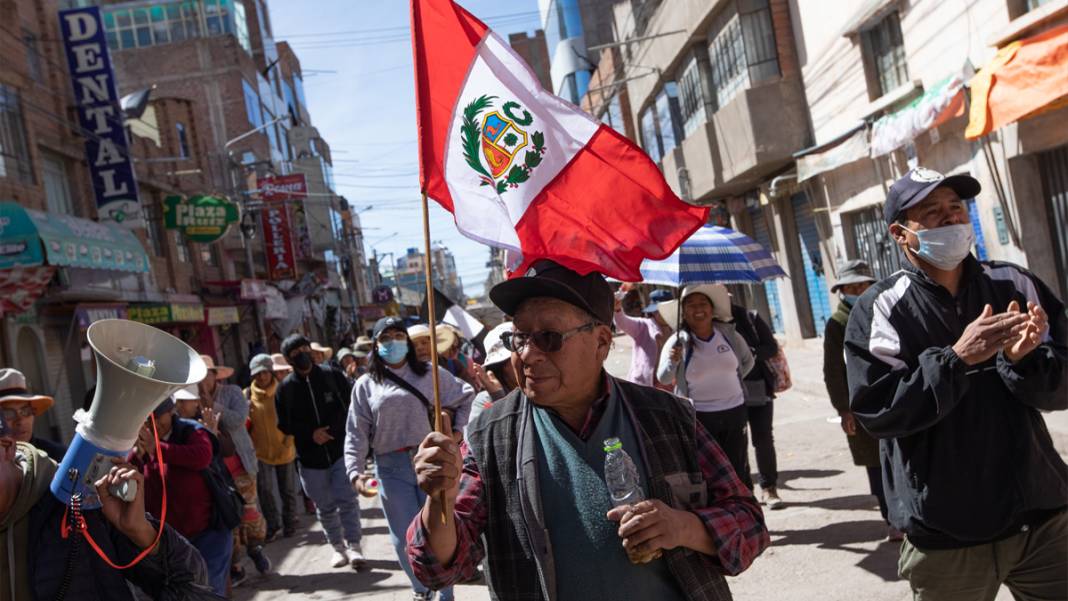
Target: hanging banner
<point x="200" y="218"/>
<point x="96" y="100"/>
<point x="277" y="233"/>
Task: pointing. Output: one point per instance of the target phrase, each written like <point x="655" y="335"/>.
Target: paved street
<point x="827" y="544"/>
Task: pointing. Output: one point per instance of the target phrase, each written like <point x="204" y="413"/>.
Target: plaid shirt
<point x="732" y="517"/>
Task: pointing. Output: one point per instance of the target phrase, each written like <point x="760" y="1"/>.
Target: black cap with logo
<point x="387" y="323"/>
<point x="918" y="183"/>
<point x="546" y="278"/>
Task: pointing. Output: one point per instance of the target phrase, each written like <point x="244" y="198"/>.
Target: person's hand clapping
<point x="1031" y="337"/>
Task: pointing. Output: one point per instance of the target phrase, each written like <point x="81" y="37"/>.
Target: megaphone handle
<point x="127" y="491"/>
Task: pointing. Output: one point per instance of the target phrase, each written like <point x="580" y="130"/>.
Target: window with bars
<point x="613" y="116"/>
<point x="691" y="100"/>
<point x="742" y="49"/>
<point x="871" y="241"/>
<point x="885" y="49"/>
<point x="15" y="159"/>
<point x="661" y="123"/>
<point x="181" y="248"/>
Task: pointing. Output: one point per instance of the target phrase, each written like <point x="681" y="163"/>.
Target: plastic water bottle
<point x="624" y="485"/>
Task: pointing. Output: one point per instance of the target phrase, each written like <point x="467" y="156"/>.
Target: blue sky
<point x="366" y="112"/>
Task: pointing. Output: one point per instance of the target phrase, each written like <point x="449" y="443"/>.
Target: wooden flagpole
<point x="439" y="425"/>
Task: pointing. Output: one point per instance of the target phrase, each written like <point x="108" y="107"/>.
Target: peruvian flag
<point x="524" y="170"/>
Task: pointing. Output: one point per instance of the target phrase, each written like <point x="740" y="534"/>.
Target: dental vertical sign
<point x="96" y="99"/>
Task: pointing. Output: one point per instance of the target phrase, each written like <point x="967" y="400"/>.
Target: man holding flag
<point x="523" y="170"/>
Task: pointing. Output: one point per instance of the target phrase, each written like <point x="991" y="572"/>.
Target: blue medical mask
<point x="851" y="299"/>
<point x="393" y="351"/>
<point x="945" y="247"/>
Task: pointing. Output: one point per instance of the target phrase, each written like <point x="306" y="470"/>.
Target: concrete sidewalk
<point x="828" y="543"/>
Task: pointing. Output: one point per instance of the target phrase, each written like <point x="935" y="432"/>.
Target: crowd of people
<point x="939" y="374"/>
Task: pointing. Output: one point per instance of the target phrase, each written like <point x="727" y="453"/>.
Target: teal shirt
<point x="588" y="554"/>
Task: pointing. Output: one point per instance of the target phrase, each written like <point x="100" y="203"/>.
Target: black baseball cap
<point x="386" y="323"/>
<point x="546" y="278"/>
<point x="918" y="183"/>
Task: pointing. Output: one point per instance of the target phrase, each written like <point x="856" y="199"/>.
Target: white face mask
<point x="945" y="247"/>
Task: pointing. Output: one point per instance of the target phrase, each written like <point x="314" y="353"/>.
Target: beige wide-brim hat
<point x="329" y="352"/>
<point x="363" y="343"/>
<point x="13" y="390"/>
<point x="446" y="336"/>
<point x="221" y="371"/>
<point x="280" y="363"/>
<point x="717" y="293"/>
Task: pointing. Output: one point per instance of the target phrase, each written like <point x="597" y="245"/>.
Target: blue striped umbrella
<point x="714" y="255"/>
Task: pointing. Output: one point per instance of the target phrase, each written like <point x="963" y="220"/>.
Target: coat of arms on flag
<point x="524" y="170"/>
<point x="501" y="141"/>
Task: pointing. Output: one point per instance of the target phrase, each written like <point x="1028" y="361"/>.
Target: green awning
<point x="29" y="238"/>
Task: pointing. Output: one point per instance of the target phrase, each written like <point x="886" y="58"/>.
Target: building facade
<point x="535" y="53"/>
<point x="572" y="27"/>
<point x="224" y="101"/>
<point x="791" y="119"/>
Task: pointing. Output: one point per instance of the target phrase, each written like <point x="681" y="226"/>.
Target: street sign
<point x="277" y="231"/>
<point x="200" y="218"/>
<point x="97" y="104"/>
<point x="382" y="295"/>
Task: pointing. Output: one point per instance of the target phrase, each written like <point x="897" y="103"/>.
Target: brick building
<point x="225" y="100"/>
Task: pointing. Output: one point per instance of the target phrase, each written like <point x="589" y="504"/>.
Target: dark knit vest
<point x="666" y="428"/>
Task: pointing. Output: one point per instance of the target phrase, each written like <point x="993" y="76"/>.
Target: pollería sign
<point x="200" y="218"/>
<point x="97" y="102"/>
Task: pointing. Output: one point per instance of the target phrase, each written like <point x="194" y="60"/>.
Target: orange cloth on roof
<point x="1025" y="78"/>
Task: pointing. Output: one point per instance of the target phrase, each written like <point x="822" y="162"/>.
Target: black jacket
<point x="176" y="571"/>
<point x="307" y="404"/>
<point x="966" y="455"/>
<point x="762" y="344"/>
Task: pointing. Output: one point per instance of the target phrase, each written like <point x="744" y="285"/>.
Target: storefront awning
<point x="1025" y="78"/>
<point x="30" y="238"/>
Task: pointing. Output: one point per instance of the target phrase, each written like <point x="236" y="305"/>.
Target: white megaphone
<point x="137" y="366"/>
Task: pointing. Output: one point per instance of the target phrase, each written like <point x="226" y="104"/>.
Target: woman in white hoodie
<point x="706" y="360"/>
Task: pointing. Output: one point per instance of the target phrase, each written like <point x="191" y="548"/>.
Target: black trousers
<point x="760" y="419"/>
<point x="731" y="432"/>
<point x="875" y="483"/>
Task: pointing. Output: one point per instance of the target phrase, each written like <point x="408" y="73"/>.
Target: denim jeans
<point x="336" y="505"/>
<point x="278" y="495"/>
<point x="215" y="547"/>
<point x="401" y="501"/>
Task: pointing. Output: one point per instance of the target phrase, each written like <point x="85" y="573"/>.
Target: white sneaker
<point x="339" y="559"/>
<point x="355" y="556"/>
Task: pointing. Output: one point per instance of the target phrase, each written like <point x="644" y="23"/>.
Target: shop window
<point x="56" y="184"/>
<point x="884" y="56"/>
<point x="14" y="153"/>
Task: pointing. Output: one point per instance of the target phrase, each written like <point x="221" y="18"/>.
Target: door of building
<point x="1053" y="167"/>
<point x="771" y="287"/>
<point x="808" y="238"/>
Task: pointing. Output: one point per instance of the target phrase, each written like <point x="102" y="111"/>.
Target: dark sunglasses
<point x="546" y="341"/>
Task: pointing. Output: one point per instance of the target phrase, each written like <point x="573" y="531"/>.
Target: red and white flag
<point x="524" y="170"/>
